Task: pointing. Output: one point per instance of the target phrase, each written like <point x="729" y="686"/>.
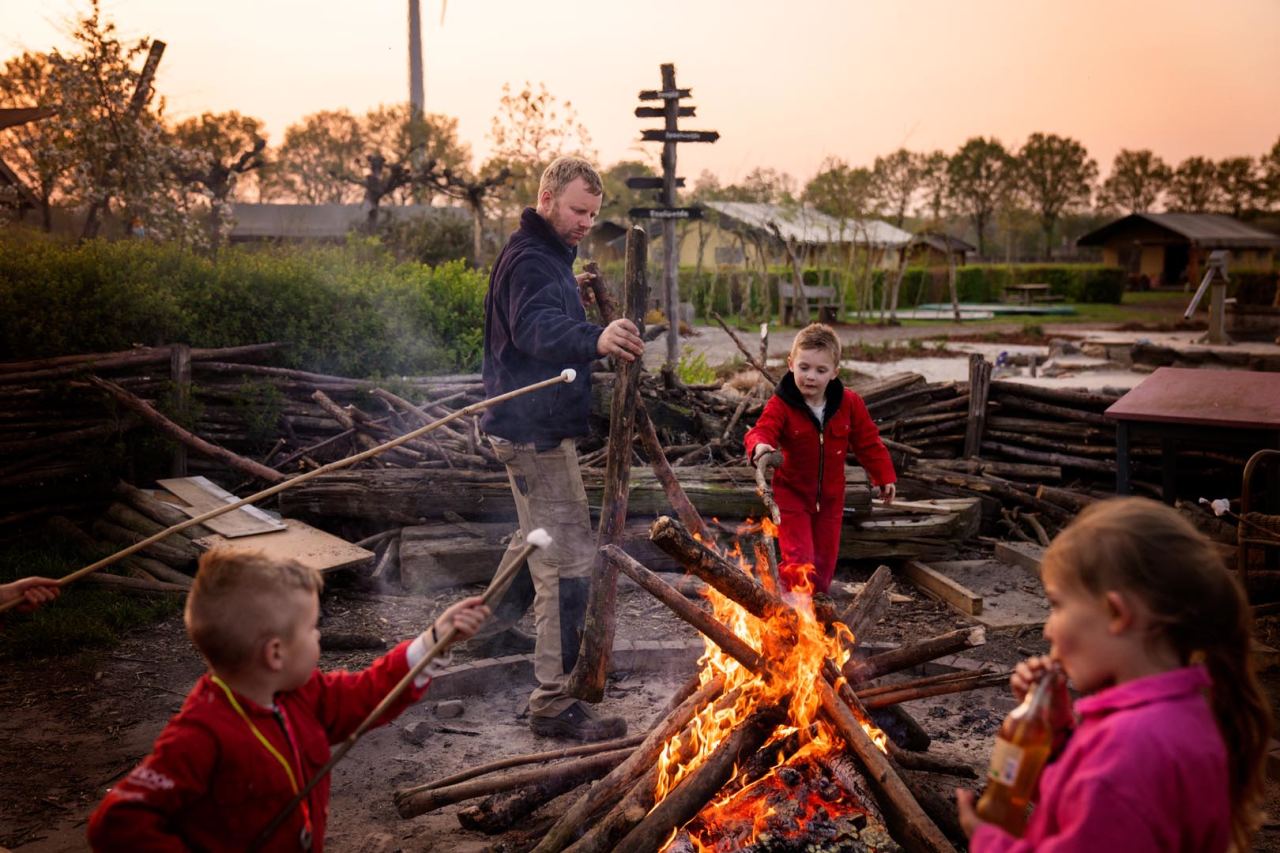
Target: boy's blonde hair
<point x="818" y="336"/>
<point x="239" y="599"/>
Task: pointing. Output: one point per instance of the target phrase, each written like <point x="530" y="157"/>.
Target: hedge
<point x="1254" y="287"/>
<point x="350" y="310"/>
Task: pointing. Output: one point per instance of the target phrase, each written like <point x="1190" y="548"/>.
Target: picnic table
<point x="1029" y="292"/>
<point x="1182" y="406"/>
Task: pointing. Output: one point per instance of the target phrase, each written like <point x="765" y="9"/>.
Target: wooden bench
<point x="821" y="302"/>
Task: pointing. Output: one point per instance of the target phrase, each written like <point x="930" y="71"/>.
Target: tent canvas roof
<point x="805" y="224"/>
<point x="1207" y="230"/>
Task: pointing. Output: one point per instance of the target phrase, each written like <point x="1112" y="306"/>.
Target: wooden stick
<point x="579" y="770"/>
<point x="149" y="414"/>
<point x="566" y="376"/>
<point x="600" y="623"/>
<point x="507" y="570"/>
<point x="908" y="822"/>
<point x="895" y="697"/>
<point x="625" y="774"/>
<point x="751" y="359"/>
<point x="695" y="790"/>
<point x="672" y="537"/>
<point x="68" y="365"/>
<point x="913" y="654"/>
<point x="521" y="760"/>
<point x="869" y="604"/>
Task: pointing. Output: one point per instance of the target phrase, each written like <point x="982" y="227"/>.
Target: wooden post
<point x="979" y="385"/>
<point x="670" y="257"/>
<point x="180" y="371"/>
<point x="951" y="285"/>
<point x="589" y="672"/>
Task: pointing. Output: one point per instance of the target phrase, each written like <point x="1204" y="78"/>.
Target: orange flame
<point x="795" y="644"/>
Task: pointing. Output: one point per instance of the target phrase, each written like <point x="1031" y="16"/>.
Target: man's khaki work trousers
<point x="547" y="486"/>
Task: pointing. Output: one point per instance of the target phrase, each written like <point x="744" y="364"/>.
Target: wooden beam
<point x="940" y="586"/>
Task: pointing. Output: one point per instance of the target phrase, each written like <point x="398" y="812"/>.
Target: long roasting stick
<point x="567" y="376"/>
<point x="502" y="577"/>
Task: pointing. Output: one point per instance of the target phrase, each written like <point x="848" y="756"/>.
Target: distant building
<point x="934" y="249"/>
<point x="293" y="223"/>
<point x="606" y="242"/>
<point x="733" y="232"/>
<point x="1170" y="248"/>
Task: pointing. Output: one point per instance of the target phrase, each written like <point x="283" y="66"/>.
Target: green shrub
<point x="352" y="310"/>
<point x="1253" y="287"/>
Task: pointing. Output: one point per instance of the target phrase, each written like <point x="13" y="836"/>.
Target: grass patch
<point x="84" y="617"/>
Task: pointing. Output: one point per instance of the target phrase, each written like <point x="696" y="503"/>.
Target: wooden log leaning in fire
<point x="903" y="814"/>
<point x="604" y="794"/>
<point x="914" y="654"/>
<point x="696" y="790"/>
<point x="869" y="604"/>
<point x="149" y="414"/>
<point x="673" y="538"/>
<point x="587" y="679"/>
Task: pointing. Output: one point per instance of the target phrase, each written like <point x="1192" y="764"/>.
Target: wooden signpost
<point x="669" y="135"/>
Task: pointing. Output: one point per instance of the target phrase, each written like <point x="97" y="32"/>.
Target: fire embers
<point x="800" y="807"/>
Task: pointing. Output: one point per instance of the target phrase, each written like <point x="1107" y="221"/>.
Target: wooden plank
<point x="1024" y="555"/>
<point x="942" y="587"/>
<point x="1010" y="598"/>
<point x="298" y="541"/>
<point x="200" y="495"/>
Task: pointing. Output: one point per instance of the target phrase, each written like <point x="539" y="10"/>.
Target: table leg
<point x="1168" y="469"/>
<point x="1122" y="458"/>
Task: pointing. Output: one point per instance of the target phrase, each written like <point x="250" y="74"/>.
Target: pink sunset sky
<point x="785" y="83"/>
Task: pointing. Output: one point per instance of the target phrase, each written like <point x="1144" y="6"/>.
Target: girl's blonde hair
<point x="1151" y="551"/>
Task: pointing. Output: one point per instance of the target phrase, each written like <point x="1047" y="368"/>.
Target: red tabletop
<point x="1244" y="399"/>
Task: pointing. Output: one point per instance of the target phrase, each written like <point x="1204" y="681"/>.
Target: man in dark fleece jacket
<point x="535" y="326"/>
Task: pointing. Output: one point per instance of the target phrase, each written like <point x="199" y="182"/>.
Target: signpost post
<point x="669" y="135"/>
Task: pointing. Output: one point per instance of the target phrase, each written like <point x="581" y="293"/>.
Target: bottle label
<point x="1006" y="758"/>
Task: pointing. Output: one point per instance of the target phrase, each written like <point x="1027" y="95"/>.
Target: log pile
<point x="830" y="784"/>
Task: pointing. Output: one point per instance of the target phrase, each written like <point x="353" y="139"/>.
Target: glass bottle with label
<point x="1022" y="749"/>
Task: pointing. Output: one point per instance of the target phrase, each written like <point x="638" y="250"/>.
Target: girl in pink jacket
<point x="1166" y="750"/>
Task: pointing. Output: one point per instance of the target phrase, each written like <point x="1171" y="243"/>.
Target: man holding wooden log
<point x="536" y="327"/>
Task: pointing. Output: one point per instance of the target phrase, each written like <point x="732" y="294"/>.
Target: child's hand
<point x="969" y="820"/>
<point x="1025" y="676"/>
<point x="466" y="617"/>
<point x="34" y="592"/>
<point x="888" y="492"/>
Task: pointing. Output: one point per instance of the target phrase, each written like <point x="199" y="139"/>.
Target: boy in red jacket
<point x="815" y="421"/>
<point x="258" y="725"/>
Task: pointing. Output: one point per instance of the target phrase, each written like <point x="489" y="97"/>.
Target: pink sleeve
<point x="768" y="427"/>
<point x="868" y="449"/>
<point x="1090" y="815"/>
<point x="136" y="813"/>
<point x="345" y="698"/>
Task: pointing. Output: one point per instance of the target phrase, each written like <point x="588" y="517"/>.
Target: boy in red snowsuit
<point x="815" y="421"/>
<point x="258" y="725"/>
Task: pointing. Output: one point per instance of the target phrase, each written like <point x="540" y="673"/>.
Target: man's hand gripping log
<point x="566" y="376"/>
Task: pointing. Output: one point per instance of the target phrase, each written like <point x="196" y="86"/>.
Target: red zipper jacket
<point x="812" y="470"/>
<point x="210" y="785"/>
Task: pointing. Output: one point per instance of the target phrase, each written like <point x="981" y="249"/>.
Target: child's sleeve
<point x="343" y="699"/>
<point x="137" y="813"/>
<point x="1091" y="814"/>
<point x="867" y="447"/>
<point x="768" y="428"/>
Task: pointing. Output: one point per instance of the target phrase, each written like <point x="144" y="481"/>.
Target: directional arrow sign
<point x="661" y="112"/>
<point x="679" y="135"/>
<point x="649" y="183"/>
<point x="665" y="213"/>
<point x="664" y="95"/>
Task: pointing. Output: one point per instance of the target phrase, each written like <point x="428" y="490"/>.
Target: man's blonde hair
<point x="564" y="171"/>
<point x="817" y="336"/>
<point x="239" y="599"/>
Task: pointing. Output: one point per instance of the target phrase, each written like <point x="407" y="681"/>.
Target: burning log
<point x="672" y="537"/>
<point x="692" y="793"/>
<point x="625" y="776"/>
